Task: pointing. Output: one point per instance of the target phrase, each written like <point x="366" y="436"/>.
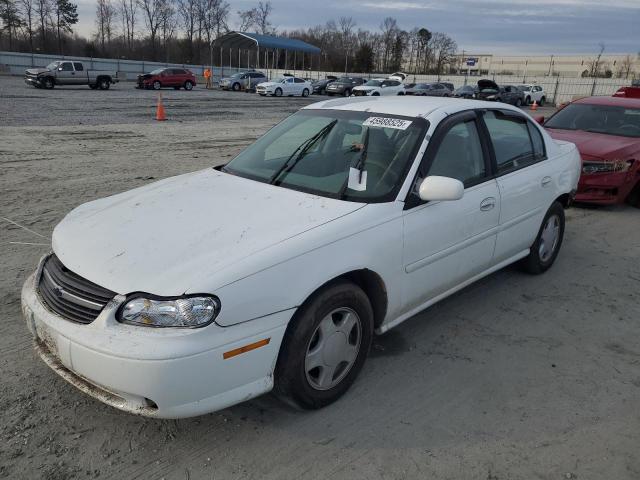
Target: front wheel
<point x="157" y="85"/>
<point x="236" y="87"/>
<point x="305" y="92"/>
<point x="188" y="85"/>
<point x="325" y="346"/>
<point x="518" y="102"/>
<point x="278" y="92"/>
<point x="347" y="93"/>
<point x="49" y="83"/>
<point x="542" y="100"/>
<point x="545" y="248"/>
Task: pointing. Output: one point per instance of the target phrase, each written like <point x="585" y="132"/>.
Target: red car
<point x="606" y="131"/>
<point x="628" y="92"/>
<point x="167" y="77"/>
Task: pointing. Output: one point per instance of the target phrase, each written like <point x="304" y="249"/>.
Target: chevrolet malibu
<point x="274" y="271"/>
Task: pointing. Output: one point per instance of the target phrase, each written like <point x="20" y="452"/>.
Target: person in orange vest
<point x="207" y="76"/>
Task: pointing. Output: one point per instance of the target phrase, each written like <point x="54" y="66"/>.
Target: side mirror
<point x="539" y="119"/>
<point x="440" y="188"/>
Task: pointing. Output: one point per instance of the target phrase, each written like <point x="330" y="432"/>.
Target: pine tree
<point x="11" y="19"/>
<point x="66" y="16"/>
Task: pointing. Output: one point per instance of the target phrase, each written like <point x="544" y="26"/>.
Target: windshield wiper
<point x="301" y="152"/>
<point x="359" y="165"/>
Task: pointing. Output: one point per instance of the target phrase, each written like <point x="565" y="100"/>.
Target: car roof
<point x="400" y="105"/>
<point x="610" y="101"/>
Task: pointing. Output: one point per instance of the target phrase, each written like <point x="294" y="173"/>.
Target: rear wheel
<point x="375" y="94"/>
<point x="188" y="85"/>
<point x="104" y="83"/>
<point x="545" y="248"/>
<point x="157" y="85"/>
<point x="325" y="346"/>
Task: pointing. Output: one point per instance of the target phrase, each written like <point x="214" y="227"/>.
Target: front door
<point x="448" y="242"/>
<point x="66" y="75"/>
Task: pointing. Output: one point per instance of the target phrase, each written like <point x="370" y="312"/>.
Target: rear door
<point x="299" y="85"/>
<point x="446" y="243"/>
<point x="525" y="177"/>
<point x="80" y="75"/>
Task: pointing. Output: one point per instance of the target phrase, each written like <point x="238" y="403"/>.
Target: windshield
<point x="313" y="151"/>
<point x="157" y="71"/>
<point x="607" y="119"/>
<point x="524" y="88"/>
<point x="53" y="65"/>
<point x="343" y="80"/>
<point x="373" y="83"/>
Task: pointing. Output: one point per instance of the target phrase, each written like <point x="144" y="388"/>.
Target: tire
<point x="542" y="100"/>
<point x="400" y="94"/>
<point x="375" y="94"/>
<point x="296" y="380"/>
<point x="49" y="83"/>
<point x="542" y="255"/>
<point x="347" y="92"/>
<point x="528" y="101"/>
<point x="633" y="198"/>
<point x="305" y="92"/>
<point x="518" y="102"/>
<point x="236" y="87"/>
<point x="157" y="85"/>
<point x="104" y="83"/>
<point x="278" y="92"/>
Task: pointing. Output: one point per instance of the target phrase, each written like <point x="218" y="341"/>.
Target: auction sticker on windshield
<point x="396" y="123"/>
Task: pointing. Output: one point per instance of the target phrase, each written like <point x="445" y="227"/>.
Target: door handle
<point x="545" y="181"/>
<point x="487" y="204"/>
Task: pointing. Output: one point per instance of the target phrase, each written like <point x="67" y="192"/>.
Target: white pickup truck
<point x="65" y="72"/>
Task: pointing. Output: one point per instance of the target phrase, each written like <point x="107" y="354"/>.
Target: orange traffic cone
<point x="534" y="106"/>
<point x="160" y="114"/>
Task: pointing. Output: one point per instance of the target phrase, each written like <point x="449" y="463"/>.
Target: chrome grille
<point x="69" y="295"/>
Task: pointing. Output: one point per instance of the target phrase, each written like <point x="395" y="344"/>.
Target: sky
<point x="500" y="27"/>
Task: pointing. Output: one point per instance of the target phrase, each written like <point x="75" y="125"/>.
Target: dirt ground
<point x="515" y="377"/>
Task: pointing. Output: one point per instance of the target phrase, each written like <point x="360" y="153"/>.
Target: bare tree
<point x="28" y="13"/>
<point x="152" y="11"/>
<point x="168" y="25"/>
<point x="389" y="27"/>
<point x="347" y="38"/>
<point x="105" y="18"/>
<point x="128" y="10"/>
<point x="11" y="19"/>
<point x="625" y="67"/>
<point x="594" y="65"/>
<point x="261" y="18"/>
<point x="190" y="15"/>
<point x="43" y="12"/>
<point x="444" y="50"/>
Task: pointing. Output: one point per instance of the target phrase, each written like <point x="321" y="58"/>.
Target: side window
<point x="298" y="80"/>
<point x="78" y="66"/>
<point x="539" y="149"/>
<point x="511" y="141"/>
<point x="179" y="71"/>
<point x="67" y="67"/>
<point x="460" y="154"/>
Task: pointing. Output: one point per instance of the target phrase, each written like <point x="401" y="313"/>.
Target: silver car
<point x="240" y="80"/>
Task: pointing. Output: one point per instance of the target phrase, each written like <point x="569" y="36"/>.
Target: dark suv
<point x="344" y="85"/>
<point x="167" y="77"/>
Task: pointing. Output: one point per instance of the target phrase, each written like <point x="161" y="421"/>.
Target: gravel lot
<point x="516" y="377"/>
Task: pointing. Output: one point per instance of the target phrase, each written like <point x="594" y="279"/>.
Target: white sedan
<point x="274" y="271"/>
<point x="379" y="87"/>
<point x="287" y="86"/>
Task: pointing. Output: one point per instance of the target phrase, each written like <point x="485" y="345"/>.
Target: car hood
<point x="162" y="237"/>
<point x="598" y="145"/>
<point x="366" y="89"/>
<point x="269" y="84"/>
<point x="36" y="71"/>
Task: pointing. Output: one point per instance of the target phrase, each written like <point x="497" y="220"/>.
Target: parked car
<point x="449" y="85"/>
<point x="491" y="91"/>
<point x="629" y="92"/>
<point x="241" y="80"/>
<point x="204" y="290"/>
<point x="344" y="86"/>
<point x="63" y="72"/>
<point x="287" y="86"/>
<point x="429" y="90"/>
<point x="167" y="78"/>
<point x="401" y="77"/>
<point x="606" y="131"/>
<point x="379" y="86"/>
<point x="320" y="86"/>
<point x="466" y="91"/>
<point x="533" y="93"/>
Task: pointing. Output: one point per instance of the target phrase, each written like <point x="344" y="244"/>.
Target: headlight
<point x="615" y="166"/>
<point x="189" y="311"/>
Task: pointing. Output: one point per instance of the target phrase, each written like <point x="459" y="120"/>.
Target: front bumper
<point x="35" y="81"/>
<point x="164" y="373"/>
<point x="606" y="188"/>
